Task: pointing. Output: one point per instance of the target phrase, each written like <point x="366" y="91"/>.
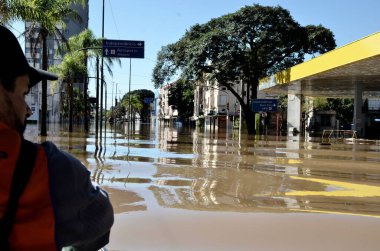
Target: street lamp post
<point x="97" y="98"/>
<point x="102" y="76"/>
<point x="97" y="90"/>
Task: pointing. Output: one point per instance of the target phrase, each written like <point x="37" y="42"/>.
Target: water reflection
<point x="126" y="201"/>
<point x="187" y="169"/>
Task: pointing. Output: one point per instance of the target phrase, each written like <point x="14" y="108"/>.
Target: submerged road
<point x="182" y="189"/>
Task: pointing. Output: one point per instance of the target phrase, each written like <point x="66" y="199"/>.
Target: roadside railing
<point x="338" y="136"/>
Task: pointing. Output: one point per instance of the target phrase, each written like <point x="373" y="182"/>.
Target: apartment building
<point x="215" y="106"/>
<point x="165" y="112"/>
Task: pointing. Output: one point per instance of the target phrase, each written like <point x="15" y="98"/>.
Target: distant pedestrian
<point x="264" y="122"/>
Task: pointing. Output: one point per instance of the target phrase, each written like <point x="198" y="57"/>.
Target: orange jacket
<point x="60" y="206"/>
<point x="34" y="227"/>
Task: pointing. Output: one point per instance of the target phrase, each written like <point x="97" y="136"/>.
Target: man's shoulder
<point x="49" y="147"/>
<point x="61" y="161"/>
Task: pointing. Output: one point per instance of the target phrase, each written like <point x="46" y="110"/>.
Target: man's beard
<point x="10" y="117"/>
<point x="16" y="124"/>
<point x="20" y="127"/>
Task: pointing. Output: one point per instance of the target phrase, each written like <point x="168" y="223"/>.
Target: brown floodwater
<point x="174" y="188"/>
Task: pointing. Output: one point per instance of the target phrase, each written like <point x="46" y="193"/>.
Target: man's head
<point x="16" y="77"/>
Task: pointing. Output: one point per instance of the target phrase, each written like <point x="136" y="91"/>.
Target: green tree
<point x="72" y="66"/>
<point x="344" y="108"/>
<point x="91" y="47"/>
<point x="138" y="102"/>
<point x="248" y="45"/>
<point x="132" y="104"/>
<point x="182" y="97"/>
<point x="117" y="111"/>
<point x="46" y="18"/>
<point x="77" y="105"/>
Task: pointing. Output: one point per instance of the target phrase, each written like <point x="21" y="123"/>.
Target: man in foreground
<point x="47" y="200"/>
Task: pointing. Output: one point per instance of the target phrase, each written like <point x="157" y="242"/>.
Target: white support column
<point x="294" y="113"/>
<point x="358" y="120"/>
<point x="309" y="115"/>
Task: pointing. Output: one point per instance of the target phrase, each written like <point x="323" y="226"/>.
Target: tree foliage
<point x="182" y="98"/>
<point x="45" y="18"/>
<point x="250" y="44"/>
<point x="137" y="104"/>
<point x="344" y="108"/>
<point x="91" y="46"/>
<point x="73" y="65"/>
<point x="86" y="44"/>
<point x="77" y="105"/>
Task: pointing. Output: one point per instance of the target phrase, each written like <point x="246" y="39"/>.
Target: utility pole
<point x="102" y="77"/>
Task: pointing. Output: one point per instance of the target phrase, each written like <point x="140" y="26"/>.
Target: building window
<point x="222" y="100"/>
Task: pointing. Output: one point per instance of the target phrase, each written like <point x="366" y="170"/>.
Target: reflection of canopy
<point x="334" y="73"/>
<point x="233" y="192"/>
<point x="261" y="191"/>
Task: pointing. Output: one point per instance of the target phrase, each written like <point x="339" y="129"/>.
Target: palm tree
<point x="4" y="12"/>
<point x="73" y="64"/>
<point x="91" y="46"/>
<point x="46" y="18"/>
<point x="133" y="104"/>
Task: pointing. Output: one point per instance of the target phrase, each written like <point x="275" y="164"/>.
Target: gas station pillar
<point x="358" y="120"/>
<point x="294" y="114"/>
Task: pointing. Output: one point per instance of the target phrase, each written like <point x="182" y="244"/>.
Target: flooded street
<point x="183" y="189"/>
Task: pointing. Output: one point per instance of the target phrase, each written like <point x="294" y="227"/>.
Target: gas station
<point x="350" y="71"/>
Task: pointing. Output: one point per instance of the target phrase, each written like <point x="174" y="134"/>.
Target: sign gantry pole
<point x="124" y="49"/>
<point x="102" y="79"/>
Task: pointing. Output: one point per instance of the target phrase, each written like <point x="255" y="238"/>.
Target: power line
<point x="113" y="18"/>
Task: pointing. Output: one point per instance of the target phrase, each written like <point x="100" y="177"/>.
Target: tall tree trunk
<point x="71" y="98"/>
<point x="245" y="102"/>
<point x="249" y="116"/>
<point x="43" y="131"/>
<point x="85" y="100"/>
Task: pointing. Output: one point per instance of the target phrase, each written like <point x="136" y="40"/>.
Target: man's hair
<point x="8" y="83"/>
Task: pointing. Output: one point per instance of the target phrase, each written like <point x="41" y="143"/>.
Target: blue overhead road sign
<point x="148" y="100"/>
<point x="264" y="105"/>
<point x="123" y="48"/>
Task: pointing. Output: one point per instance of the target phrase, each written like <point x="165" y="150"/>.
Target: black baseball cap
<point x="13" y="62"/>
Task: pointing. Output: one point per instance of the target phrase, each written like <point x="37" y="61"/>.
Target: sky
<point x="161" y="22"/>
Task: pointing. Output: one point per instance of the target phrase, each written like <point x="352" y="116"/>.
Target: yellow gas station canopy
<point x="332" y="74"/>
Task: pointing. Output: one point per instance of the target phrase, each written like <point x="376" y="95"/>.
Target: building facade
<point x="165" y="112"/>
<point x="215" y="106"/>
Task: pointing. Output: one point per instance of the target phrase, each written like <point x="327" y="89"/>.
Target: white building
<point x="165" y="112"/>
<point x="215" y="106"/>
